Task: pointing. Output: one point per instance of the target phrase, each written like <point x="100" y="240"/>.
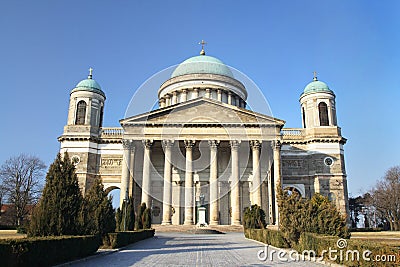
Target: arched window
<point x="80" y="113"/>
<point x="101" y="116"/>
<point x="323" y="114"/>
<point x="304" y="118"/>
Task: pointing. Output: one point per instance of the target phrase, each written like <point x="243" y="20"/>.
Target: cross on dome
<point x="315" y="76"/>
<point x="202" y="43"/>
<point x="90" y="73"/>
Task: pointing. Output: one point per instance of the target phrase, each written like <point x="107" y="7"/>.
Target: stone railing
<point x="111" y="132"/>
<point x="292" y="132"/>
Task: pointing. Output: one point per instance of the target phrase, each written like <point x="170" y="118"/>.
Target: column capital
<point x="255" y="144"/>
<point x="128" y="144"/>
<point x="189" y="144"/>
<point x="184" y="91"/>
<point x="147" y="143"/>
<point x="235" y="144"/>
<point x="167" y="143"/>
<point x="213" y="144"/>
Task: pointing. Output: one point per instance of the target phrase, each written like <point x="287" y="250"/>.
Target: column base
<point x="188" y="223"/>
<point x="166" y="223"/>
<point x="214" y="223"/>
<point x="236" y="223"/>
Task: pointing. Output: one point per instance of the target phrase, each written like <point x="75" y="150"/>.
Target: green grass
<point x="391" y="238"/>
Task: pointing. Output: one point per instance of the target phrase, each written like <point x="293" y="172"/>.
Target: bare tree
<point x="386" y="198"/>
<point x="22" y="179"/>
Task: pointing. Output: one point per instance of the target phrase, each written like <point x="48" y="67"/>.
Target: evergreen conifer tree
<point x="98" y="215"/>
<point x="139" y="218"/>
<point x="126" y="216"/>
<point x="57" y="212"/>
<point x="316" y="215"/>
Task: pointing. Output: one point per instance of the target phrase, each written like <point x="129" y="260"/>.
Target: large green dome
<point x="202" y="65"/>
<point x="317" y="87"/>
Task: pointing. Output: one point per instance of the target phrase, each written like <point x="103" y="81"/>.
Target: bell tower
<point x="318" y="105"/>
<point x="86" y="104"/>
<point x="82" y="132"/>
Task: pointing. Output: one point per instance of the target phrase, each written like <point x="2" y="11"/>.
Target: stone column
<point x="255" y="147"/>
<point x="195" y="93"/>
<point x="208" y="93"/>
<point x="277" y="176"/>
<point x="167" y="196"/>
<point x="126" y="160"/>
<point x="161" y="102"/>
<point x="184" y="95"/>
<point x="229" y="98"/>
<point x="89" y="112"/>
<point x="214" y="218"/>
<point x="146" y="182"/>
<point x="189" y="183"/>
<point x="235" y="198"/>
<point x="174" y="98"/>
<point x="270" y="199"/>
<point x="219" y="95"/>
<point x="167" y="100"/>
<point x="132" y="171"/>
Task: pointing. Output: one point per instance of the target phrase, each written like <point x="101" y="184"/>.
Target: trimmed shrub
<point x="254" y="218"/>
<point x="120" y="239"/>
<point x="267" y="236"/>
<point x="46" y="251"/>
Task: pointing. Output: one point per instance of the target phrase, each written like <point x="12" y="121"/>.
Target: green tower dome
<point x="202" y="65"/>
<point x="89" y="85"/>
<point x="317" y="87"/>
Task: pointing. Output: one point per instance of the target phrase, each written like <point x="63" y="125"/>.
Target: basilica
<point x="203" y="147"/>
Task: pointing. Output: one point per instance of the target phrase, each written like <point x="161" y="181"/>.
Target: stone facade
<point x="202" y="143"/>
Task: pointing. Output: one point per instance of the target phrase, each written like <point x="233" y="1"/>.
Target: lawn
<point x="390" y="238"/>
<point x="4" y="234"/>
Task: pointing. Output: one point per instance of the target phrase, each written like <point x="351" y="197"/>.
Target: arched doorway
<point x="114" y="191"/>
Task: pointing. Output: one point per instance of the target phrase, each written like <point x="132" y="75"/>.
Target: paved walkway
<point x="183" y="249"/>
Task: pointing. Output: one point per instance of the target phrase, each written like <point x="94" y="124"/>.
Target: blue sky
<point x="46" y="47"/>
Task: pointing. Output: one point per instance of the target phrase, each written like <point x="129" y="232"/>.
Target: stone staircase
<point x="214" y="229"/>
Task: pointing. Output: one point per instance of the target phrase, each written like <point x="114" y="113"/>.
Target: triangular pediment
<point x="202" y="111"/>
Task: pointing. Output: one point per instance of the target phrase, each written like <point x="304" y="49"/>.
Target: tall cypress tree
<point x="58" y="210"/>
<point x="98" y="215"/>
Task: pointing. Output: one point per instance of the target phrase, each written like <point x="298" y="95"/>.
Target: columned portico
<point x="255" y="147"/>
<point x="146" y="182"/>
<point x="167" y="196"/>
<point x="189" y="197"/>
<point x="235" y="179"/>
<point x="214" y="218"/>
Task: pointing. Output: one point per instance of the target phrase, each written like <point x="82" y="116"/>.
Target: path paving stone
<point x="184" y="249"/>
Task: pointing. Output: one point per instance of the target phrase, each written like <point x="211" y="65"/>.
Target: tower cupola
<point x="318" y="105"/>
